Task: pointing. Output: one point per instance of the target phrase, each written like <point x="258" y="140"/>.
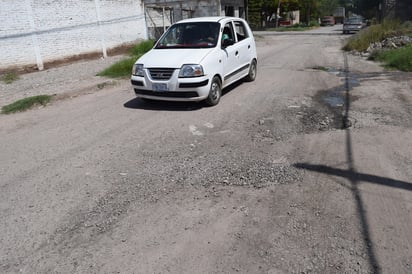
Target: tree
<point x="290" y="5"/>
<point x="254" y="13"/>
<point x="366" y="8"/>
<point x="309" y="10"/>
<point x="327" y="7"/>
<point x="261" y="10"/>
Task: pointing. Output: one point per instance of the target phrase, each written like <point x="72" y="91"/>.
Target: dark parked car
<point x="353" y="24"/>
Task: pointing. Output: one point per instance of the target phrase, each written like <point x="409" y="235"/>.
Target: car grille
<point x="172" y="94"/>
<point x="161" y="73"/>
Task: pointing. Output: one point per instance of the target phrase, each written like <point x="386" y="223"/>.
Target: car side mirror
<point x="227" y="42"/>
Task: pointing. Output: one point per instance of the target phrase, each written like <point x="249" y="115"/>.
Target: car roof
<point x="208" y="19"/>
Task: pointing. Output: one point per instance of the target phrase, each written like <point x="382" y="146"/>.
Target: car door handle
<point x="248" y="47"/>
<point x="236" y="53"/>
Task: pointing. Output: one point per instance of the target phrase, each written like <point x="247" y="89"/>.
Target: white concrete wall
<point x="40" y="31"/>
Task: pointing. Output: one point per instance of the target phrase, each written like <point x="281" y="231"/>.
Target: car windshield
<point x="190" y="35"/>
<point x="353" y="21"/>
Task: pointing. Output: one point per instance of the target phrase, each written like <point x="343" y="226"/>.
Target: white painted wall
<point x="40" y="31"/>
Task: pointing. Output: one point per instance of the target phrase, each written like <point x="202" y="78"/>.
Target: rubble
<point x="388" y="43"/>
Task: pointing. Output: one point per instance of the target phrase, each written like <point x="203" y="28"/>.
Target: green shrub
<point x="314" y="23"/>
<point x="25" y="104"/>
<point x="123" y="68"/>
<point x="374" y="33"/>
<point x="407" y="24"/>
<point x="9" y="77"/>
<point x="400" y="59"/>
<point x="142" y="48"/>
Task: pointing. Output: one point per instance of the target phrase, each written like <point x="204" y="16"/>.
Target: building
<point x="160" y="14"/>
<point x="34" y="33"/>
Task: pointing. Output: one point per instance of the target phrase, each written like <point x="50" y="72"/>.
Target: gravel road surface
<point x="306" y="170"/>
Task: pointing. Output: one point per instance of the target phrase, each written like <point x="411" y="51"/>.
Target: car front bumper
<point x="173" y="89"/>
<point x="351" y="28"/>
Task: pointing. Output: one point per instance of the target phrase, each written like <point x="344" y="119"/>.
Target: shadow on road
<point x="355" y="178"/>
<point x="139" y="103"/>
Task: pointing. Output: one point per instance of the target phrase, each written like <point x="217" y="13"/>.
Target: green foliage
<point x="314" y="23"/>
<point x="9" y="77"/>
<point x="309" y="10"/>
<point x="327" y="7"/>
<point x="320" y="68"/>
<point x="375" y="33"/>
<point x="142" y="48"/>
<point x="123" y="68"/>
<point x="367" y="8"/>
<point x="289" y="5"/>
<point x="254" y="14"/>
<point x="400" y="59"/>
<point x="295" y="27"/>
<point x="25" y="104"/>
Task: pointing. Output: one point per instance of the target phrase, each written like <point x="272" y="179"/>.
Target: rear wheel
<point x="252" y="71"/>
<point x="215" y="92"/>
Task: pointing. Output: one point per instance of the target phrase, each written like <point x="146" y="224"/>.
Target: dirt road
<point x="306" y="170"/>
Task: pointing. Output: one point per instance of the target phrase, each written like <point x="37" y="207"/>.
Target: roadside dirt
<point x="302" y="171"/>
<point x="78" y="77"/>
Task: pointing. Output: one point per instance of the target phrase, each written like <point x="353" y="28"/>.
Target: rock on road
<point x="306" y="170"/>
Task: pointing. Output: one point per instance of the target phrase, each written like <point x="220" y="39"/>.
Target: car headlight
<point x="138" y="70"/>
<point x="191" y="71"/>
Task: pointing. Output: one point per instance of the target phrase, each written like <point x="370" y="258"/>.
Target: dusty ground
<point x="305" y="170"/>
<point x="76" y="78"/>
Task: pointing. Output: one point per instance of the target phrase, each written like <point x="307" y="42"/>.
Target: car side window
<point x="228" y="32"/>
<point x="241" y="31"/>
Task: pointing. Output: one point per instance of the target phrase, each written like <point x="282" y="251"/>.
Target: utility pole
<point x="278" y="14"/>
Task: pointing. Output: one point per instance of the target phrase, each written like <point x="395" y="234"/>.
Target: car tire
<point x="252" y="71"/>
<point x="215" y="92"/>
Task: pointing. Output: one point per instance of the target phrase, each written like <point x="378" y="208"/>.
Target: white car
<point x="353" y="24"/>
<point x="195" y="59"/>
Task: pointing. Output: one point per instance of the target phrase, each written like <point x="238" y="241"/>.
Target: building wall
<point x="187" y="9"/>
<point x="41" y="31"/>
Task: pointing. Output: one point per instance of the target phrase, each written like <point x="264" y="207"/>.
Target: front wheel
<point x="215" y="92"/>
<point x="252" y="71"/>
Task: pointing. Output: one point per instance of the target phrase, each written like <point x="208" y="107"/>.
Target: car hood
<point x="173" y="58"/>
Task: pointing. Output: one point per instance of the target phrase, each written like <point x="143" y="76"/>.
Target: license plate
<point x="160" y="87"/>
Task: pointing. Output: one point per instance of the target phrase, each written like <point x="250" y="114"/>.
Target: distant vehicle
<point x="339" y="15"/>
<point x="195" y="59"/>
<point x="327" y="21"/>
<point x="353" y="24"/>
